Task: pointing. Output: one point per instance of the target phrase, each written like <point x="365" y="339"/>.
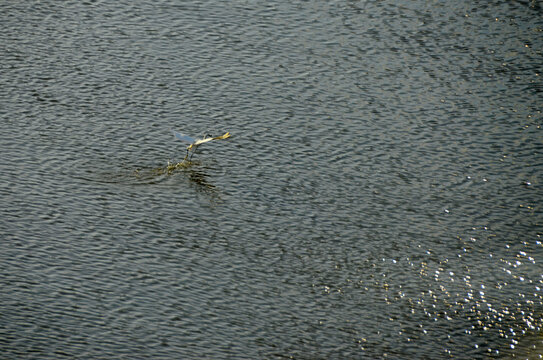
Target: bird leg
<point x="193" y="151"/>
<point x="189" y="148"/>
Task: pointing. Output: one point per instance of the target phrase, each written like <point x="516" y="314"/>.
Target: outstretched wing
<point x="225" y="136"/>
<point x="201" y="141"/>
<point x="184" y="138"/>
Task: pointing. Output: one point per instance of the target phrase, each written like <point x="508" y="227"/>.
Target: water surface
<point x="380" y="196"/>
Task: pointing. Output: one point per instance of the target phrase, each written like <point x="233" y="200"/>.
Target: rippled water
<point x="380" y="196"/>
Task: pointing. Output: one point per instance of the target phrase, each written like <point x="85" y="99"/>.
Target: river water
<point x="380" y="196"/>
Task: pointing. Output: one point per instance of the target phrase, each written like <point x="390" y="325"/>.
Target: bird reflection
<point x="199" y="178"/>
<point x="195" y="175"/>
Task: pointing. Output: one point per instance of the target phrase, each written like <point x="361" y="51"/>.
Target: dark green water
<point x="380" y="196"/>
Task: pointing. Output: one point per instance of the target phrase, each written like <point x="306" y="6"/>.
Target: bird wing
<point x="201" y="141"/>
<point x="225" y="136"/>
<point x="184" y="138"/>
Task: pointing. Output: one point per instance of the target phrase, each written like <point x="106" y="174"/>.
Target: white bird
<point x="194" y="143"/>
